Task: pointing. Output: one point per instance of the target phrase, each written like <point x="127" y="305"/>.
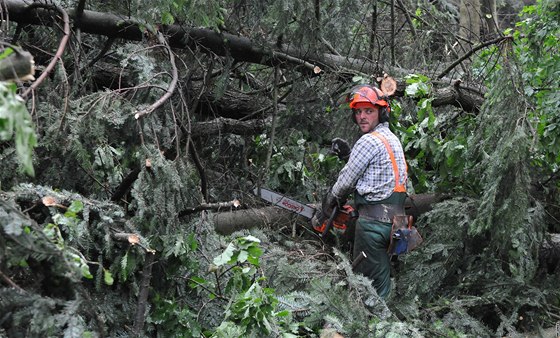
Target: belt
<point x="381" y="212"/>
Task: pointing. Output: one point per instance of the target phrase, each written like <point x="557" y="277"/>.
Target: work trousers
<point x="372" y="237"/>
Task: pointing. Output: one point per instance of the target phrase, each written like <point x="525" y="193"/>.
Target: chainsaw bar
<point x="285" y="202"/>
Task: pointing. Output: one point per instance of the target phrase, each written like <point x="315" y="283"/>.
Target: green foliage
<point x="536" y="49"/>
<point x="199" y="13"/>
<point x="436" y="149"/>
<point x="15" y="122"/>
<point x="173" y="320"/>
<point x="52" y="255"/>
<point x="297" y="164"/>
<point x="252" y="308"/>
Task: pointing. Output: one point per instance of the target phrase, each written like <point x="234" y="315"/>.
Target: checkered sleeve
<point x="365" y="149"/>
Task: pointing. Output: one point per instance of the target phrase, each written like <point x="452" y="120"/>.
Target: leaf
<point x="108" y="277"/>
<point x="15" y="119"/>
<point x="7" y="52"/>
<point x="84" y="268"/>
<point x="252" y="239"/>
<point x="225" y="256"/>
<point x="124" y="265"/>
<point x="76" y="206"/>
<point x="11" y="225"/>
<point x="242" y="256"/>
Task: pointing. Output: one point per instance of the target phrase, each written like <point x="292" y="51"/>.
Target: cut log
<point x="416" y="205"/>
<point x="226" y="223"/>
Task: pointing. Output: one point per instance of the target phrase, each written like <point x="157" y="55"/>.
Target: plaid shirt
<point x="369" y="170"/>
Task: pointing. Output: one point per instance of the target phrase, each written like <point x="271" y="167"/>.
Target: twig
<point x="273" y="131"/>
<point x="200" y="169"/>
<point x="11" y="283"/>
<point x="471" y="52"/>
<point x="172" y="84"/>
<point x="103" y="51"/>
<point x="407" y="17"/>
<point x="291" y="59"/>
<point x="61" y="46"/>
<point x="210" y="206"/>
<point x="208" y="290"/>
<point x="132" y="239"/>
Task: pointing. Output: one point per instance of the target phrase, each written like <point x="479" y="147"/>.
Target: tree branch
<point x="61" y="46"/>
<point x="471" y="52"/>
<point x="140" y="316"/>
<point x="172" y="84"/>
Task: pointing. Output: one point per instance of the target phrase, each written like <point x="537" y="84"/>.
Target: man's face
<point x="367" y="118"/>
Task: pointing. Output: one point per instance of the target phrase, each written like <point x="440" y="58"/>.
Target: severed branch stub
<point x="388" y="85"/>
<point x="18" y="66"/>
<point x="50" y="201"/>
<point x="132" y="239"/>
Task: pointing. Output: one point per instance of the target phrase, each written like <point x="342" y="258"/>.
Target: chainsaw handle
<point x="330" y="221"/>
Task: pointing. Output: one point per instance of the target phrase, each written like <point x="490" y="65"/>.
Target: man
<point x="376" y="173"/>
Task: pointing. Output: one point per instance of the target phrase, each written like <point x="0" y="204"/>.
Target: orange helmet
<point x="367" y="94"/>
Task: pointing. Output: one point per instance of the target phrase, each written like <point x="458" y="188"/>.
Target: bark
<point x="224" y="125"/>
<point x="115" y="26"/>
<point x="140" y="316"/>
<point x="226" y="223"/>
<point x="490" y="15"/>
<point x="469" y="22"/>
<point x="231" y="104"/>
<point x="459" y="97"/>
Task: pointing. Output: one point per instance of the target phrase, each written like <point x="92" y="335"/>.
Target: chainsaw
<point x="340" y="218"/>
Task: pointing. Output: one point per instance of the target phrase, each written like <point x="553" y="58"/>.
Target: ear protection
<point x="384" y="111"/>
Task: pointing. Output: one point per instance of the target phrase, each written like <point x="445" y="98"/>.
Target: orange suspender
<point x="398" y="187"/>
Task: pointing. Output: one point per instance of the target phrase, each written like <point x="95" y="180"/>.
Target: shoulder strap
<point x="398" y="187"/>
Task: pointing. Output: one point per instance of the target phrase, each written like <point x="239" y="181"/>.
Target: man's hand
<point x="340" y="148"/>
<point x="327" y="206"/>
<point x="328" y="202"/>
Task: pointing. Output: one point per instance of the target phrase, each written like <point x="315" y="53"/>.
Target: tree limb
<point x="140" y="316"/>
<point x="61" y="46"/>
<point x="211" y="206"/>
<point x="471" y="52"/>
<point x="172" y="84"/>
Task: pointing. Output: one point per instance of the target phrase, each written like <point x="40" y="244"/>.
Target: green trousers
<point x="373" y="237"/>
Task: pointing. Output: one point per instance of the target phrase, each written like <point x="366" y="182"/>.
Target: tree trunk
<point x="490" y="18"/>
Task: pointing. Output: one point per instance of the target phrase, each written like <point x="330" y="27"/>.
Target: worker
<point x="376" y="174"/>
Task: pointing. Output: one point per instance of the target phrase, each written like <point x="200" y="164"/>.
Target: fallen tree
<point x="240" y="48"/>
